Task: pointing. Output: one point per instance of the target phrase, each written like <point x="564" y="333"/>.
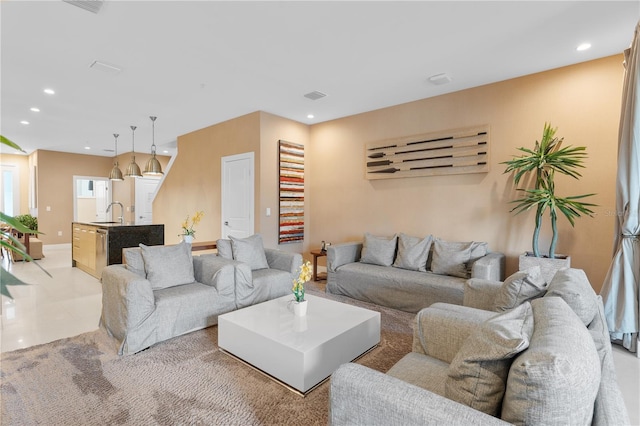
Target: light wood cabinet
<point x="84" y="248"/>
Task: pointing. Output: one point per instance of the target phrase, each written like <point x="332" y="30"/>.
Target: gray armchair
<point x="560" y="373"/>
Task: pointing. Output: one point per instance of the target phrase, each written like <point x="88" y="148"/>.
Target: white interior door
<point x="101" y="191"/>
<point x="237" y="195"/>
<point x="145" y="191"/>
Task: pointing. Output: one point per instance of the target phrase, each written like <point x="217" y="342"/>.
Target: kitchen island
<point x="98" y="244"/>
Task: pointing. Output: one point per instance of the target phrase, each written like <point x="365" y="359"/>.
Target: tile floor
<point x="69" y="304"/>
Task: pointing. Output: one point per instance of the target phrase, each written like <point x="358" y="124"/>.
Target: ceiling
<point x="194" y="64"/>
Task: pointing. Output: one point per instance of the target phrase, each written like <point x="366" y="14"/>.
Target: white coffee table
<point x="300" y="352"/>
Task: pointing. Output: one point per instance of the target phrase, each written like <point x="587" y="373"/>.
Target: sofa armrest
<point x="480" y="294"/>
<point x="341" y="254"/>
<point x="361" y="396"/>
<point x="283" y="260"/>
<point x="215" y="271"/>
<point x="127" y="300"/>
<point x="440" y="330"/>
<point x="489" y="267"/>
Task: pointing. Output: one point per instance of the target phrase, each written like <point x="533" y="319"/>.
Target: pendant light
<point x="153" y="167"/>
<point x="133" y="170"/>
<point x="116" y="174"/>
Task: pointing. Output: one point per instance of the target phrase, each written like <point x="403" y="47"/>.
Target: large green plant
<point x="543" y="161"/>
<point x="9" y="242"/>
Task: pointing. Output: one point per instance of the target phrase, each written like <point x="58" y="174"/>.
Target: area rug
<point x="186" y="380"/>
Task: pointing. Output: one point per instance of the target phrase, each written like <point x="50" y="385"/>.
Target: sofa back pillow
<point x="224" y="248"/>
<point x="478" y="373"/>
<point x="556" y="380"/>
<point x="520" y="287"/>
<point x="456" y="258"/>
<point x="168" y="266"/>
<point x="249" y="250"/>
<point x="573" y="286"/>
<point x="134" y="261"/>
<point x="378" y="250"/>
<point x="413" y="252"/>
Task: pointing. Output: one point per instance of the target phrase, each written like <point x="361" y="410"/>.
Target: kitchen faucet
<point x="121" y="217"/>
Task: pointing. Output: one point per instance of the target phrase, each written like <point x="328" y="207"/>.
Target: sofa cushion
<point x="413" y="252"/>
<point x="556" y="380"/>
<point x="378" y="250"/>
<point x="168" y="266"/>
<point x="249" y="250"/>
<point x="134" y="261"/>
<point x="519" y="288"/>
<point x="224" y="248"/>
<point x="573" y="286"/>
<point x="456" y="258"/>
<point x="478" y="373"/>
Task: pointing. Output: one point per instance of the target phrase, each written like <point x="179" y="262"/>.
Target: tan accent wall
<point x="583" y="101"/>
<point x="21" y="162"/>
<point x="273" y="129"/>
<point x="55" y="189"/>
<point x="55" y="171"/>
<point x="193" y="182"/>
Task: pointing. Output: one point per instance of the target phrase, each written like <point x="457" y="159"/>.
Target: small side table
<point x="316" y="254"/>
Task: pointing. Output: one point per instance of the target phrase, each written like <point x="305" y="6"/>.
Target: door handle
<point x="226" y="223"/>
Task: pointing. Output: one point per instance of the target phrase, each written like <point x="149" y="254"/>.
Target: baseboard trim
<point x="66" y="246"/>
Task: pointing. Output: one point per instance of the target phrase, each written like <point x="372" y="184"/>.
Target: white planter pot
<point x="300" y="308"/>
<point x="548" y="267"/>
<point x="187" y="239"/>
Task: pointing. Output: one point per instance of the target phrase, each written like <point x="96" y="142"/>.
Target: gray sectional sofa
<point x="543" y="358"/>
<point x="163" y="291"/>
<point x="408" y="273"/>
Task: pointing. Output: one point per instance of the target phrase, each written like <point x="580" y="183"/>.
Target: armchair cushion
<point x="556" y="380"/>
<point x="168" y="266"/>
<point x="520" y="287"/>
<point x="573" y="286"/>
<point x="249" y="250"/>
<point x="413" y="253"/>
<point x="378" y="250"/>
<point x="478" y="373"/>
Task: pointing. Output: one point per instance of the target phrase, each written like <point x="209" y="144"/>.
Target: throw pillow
<point x="168" y="266"/>
<point x="573" y="286"/>
<point x="556" y="380"/>
<point x="249" y="250"/>
<point x="224" y="249"/>
<point x="135" y="262"/>
<point x="378" y="250"/>
<point x="520" y="287"/>
<point x="413" y="253"/>
<point x="451" y="258"/>
<point x="478" y="373"/>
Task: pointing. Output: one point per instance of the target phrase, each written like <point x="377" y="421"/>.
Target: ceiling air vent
<point x="315" y="95"/>
<point x="92" y="6"/>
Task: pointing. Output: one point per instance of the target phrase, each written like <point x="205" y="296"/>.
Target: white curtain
<point x="620" y="291"/>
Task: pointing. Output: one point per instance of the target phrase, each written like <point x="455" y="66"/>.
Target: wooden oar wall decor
<point x="449" y="152"/>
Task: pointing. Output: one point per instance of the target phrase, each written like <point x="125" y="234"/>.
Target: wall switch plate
<point x="268" y="211"/>
<point x="48" y="208"/>
<point x="59" y="233"/>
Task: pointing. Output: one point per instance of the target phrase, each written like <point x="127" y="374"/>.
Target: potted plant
<point x="541" y="164"/>
<point x="300" y="304"/>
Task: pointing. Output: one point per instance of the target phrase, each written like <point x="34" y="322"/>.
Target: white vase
<point x="300" y="308"/>
<point x="187" y="239"/>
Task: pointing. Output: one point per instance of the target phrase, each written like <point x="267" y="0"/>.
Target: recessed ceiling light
<point x="25" y="122"/>
<point x="34" y="109"/>
<point x="49" y="91"/>
<point x="583" y="46"/>
<point x="310" y="116"/>
<point x="165" y="151"/>
<point x="87" y="147"/>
